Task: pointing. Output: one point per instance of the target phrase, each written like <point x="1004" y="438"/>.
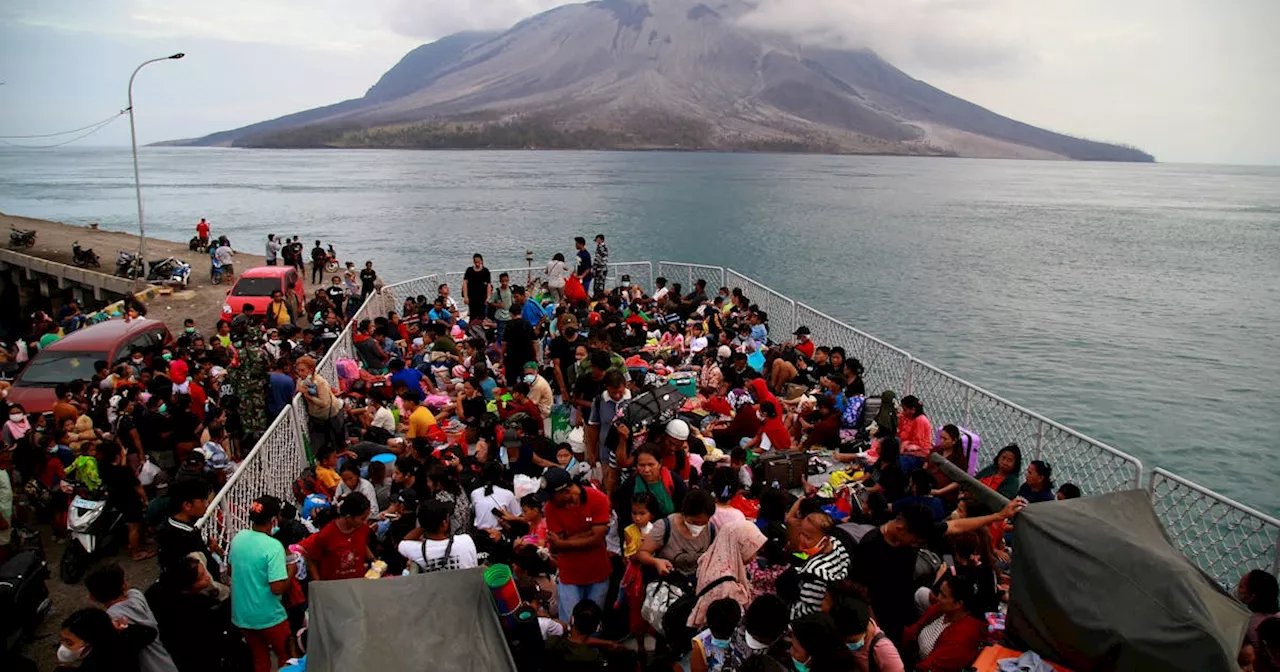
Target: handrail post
<point x="908" y="385"/>
<point x="968" y="395"/>
<point x="1039" y="437"/>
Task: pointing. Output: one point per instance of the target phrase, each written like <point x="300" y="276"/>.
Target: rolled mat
<point x="506" y="598"/>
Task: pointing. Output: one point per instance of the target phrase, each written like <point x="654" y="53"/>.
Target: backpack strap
<point x="873" y="665"/>
<point x="666" y="529"/>
<point x="713" y="584"/>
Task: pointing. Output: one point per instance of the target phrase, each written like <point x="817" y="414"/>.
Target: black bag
<point x="656" y="406"/>
<point x="678" y="634"/>
<point x="23" y="593"/>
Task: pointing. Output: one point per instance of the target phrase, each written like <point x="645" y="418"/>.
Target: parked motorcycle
<point x="94" y="525"/>
<point x="198" y="244"/>
<point x="215" y="271"/>
<point x="128" y="265"/>
<point x="170" y="271"/>
<point x="331" y="264"/>
<point x="24" y="597"/>
<point x="83" y="257"/>
<point x="20" y="238"/>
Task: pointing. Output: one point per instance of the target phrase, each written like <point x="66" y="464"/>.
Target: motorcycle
<point x="169" y="271"/>
<point x="331" y="264"/>
<point x="128" y="265"/>
<point x="83" y="257"/>
<point x="94" y="525"/>
<point x="21" y="238"/>
<point x="198" y="244"/>
<point x="215" y="271"/>
<point x="24" y="597"/>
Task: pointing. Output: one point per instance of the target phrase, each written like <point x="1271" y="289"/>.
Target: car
<point x="73" y="356"/>
<point x="255" y="285"/>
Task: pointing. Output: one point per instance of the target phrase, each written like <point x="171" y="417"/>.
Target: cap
<point x="531" y="365"/>
<point x="568" y="321"/>
<point x="554" y="480"/>
<point x="530" y="590"/>
<point x="724" y="352"/>
<point x="802" y="331"/>
<point x="678" y="430"/>
<point x="408" y="498"/>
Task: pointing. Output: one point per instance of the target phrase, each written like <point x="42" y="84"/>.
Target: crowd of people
<point x="520" y="426"/>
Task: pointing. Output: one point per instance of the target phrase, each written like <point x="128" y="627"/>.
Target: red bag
<point x="573" y="289"/>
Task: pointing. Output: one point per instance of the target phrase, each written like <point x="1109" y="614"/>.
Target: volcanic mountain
<point x="655" y="74"/>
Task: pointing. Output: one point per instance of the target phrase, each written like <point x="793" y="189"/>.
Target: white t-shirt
<point x="550" y="628"/>
<point x="657" y="296"/>
<point x="365" y="488"/>
<point x="383" y="419"/>
<point x="462" y="556"/>
<point x="483" y="504"/>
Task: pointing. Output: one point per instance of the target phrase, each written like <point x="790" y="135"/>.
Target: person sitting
<point x="885" y="476"/>
<point x="432" y="546"/>
<point x="341" y="548"/>
<point x="579" y="651"/>
<point x="724" y="486"/>
<point x="915" y="432"/>
<point x="1259" y="592"/>
<point x="948" y="634"/>
<point x="1002" y="474"/>
<point x="828" y="559"/>
<point x="1039" y="485"/>
<point x="921" y="487"/>
<point x="762" y="633"/>
<point x="816" y="645"/>
<point x="821" y="426"/>
<point x="1068" y="491"/>
<point x="711" y="646"/>
<point x="951" y="448"/>
<point x="352" y="482"/>
<point x="872" y="650"/>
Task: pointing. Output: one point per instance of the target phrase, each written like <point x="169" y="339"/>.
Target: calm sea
<point x="1139" y="304"/>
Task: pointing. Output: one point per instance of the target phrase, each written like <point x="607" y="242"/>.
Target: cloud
<point x="432" y="19"/>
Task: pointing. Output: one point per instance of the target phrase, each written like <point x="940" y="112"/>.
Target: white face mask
<point x="695" y="530"/>
<point x="68" y="656"/>
<point x="15" y="417"/>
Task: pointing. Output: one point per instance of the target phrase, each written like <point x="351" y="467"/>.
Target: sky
<point x="1187" y="80"/>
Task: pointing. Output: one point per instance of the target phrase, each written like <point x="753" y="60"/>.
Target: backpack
<point x="306" y="484"/>
<point x="437" y="564"/>
<point x="674" y="621"/>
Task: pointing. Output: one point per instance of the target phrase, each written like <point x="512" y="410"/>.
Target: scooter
<point x="215" y="271"/>
<point x="129" y="265"/>
<point x="83" y="257"/>
<point x="170" y="271"/>
<point x="198" y="244"/>
<point x="331" y="264"/>
<point x="21" y="238"/>
<point x="94" y="525"/>
<point x="24" y="597"/>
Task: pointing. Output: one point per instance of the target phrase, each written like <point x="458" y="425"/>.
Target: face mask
<point x="190" y="330"/>
<point x="647" y="527"/>
<point x="695" y="530"/>
<point x="529" y="378"/>
<point x="274" y="341"/>
<point x="720" y="643"/>
<point x="816" y="549"/>
<point x="274" y="530"/>
<point x="67" y="656"/>
<point x="137" y="360"/>
<point x="755" y="644"/>
<point x="163" y="408"/>
<point x="858" y="644"/>
<point x="166" y="356"/>
<point x="800" y="667"/>
<point x="15" y="417"/>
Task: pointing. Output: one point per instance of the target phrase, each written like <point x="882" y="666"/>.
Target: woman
<point x="557" y="271"/>
<point x="816" y="645"/>
<point x="434" y="546"/>
<point x="324" y="409"/>
<point x="442" y="484"/>
<point x="91" y="639"/>
<point x="340" y="550"/>
<point x="724" y="485"/>
<point x="1259" y="592"/>
<point x="886" y="475"/>
<point x="1002" y="474"/>
<point x="664" y="485"/>
<point x="915" y="432"/>
<point x="854" y="387"/>
<point x="735" y="547"/>
<point x="491" y="501"/>
<point x="677" y="542"/>
<point x="126" y="495"/>
<point x="949" y="447"/>
<point x="886" y="418"/>
<point x="1039" y="485"/>
<point x="760" y="392"/>
<point x="948" y="634"/>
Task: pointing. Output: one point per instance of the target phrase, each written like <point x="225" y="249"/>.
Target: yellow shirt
<point x="327" y="477"/>
<point x="631" y="541"/>
<point x="420" y="422"/>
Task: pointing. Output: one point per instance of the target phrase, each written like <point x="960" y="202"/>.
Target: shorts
<point x="229" y="269"/>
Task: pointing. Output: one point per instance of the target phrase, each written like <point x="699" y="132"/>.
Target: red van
<point x="255" y="285"/>
<point x="73" y="356"/>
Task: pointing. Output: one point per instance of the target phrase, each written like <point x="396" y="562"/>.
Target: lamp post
<point x="137" y="181"/>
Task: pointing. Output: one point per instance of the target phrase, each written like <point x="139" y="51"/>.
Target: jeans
<point x="317" y="272"/>
<point x="570" y="596"/>
<point x="271" y="262"/>
<point x="502" y="328"/>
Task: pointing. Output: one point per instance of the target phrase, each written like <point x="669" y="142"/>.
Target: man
<point x="241" y="321"/>
<point x="604" y="410"/>
<point x="885" y="559"/>
<point x="107" y="587"/>
<point x="584" y="263"/>
<point x="298" y="262"/>
<point x="803" y="344"/>
<point x="477" y="283"/>
<point x="280" y="387"/>
<point x="517" y="347"/>
<point x="279" y="313"/>
<point x="600" y="266"/>
<point x="189" y="330"/>
<point x="500" y="305"/>
<point x="273" y="249"/>
<point x="259" y="576"/>
<point x="440" y="313"/>
<point x="202" y="230"/>
<point x="577" y="520"/>
<point x="63" y="409"/>
<point x="367" y="278"/>
<point x="177" y="537"/>
<point x="225" y="256"/>
<point x="337" y="293"/>
<point x="318" y="257"/>
<point x="662" y="290"/>
<point x="539" y="389"/>
<point x="562" y="352"/>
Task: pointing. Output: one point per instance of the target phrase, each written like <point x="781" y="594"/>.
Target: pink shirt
<point x="887" y="656"/>
<point x="915" y="435"/>
<point x="726" y="515"/>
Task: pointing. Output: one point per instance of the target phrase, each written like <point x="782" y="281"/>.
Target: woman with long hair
<point x="1002" y="474"/>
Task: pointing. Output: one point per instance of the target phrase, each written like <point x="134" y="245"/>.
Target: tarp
<point x="1098" y="586"/>
<point x="443" y="621"/>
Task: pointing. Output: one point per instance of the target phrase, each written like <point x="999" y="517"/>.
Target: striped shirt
<point x="817" y="573"/>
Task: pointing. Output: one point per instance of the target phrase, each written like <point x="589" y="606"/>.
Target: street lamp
<point x="137" y="181"/>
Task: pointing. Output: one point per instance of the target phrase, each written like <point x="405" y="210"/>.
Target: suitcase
<point x="788" y="467"/>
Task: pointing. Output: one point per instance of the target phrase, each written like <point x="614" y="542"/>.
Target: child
<point x="85" y="467"/>
<point x="536" y="598"/>
<point x="531" y="514"/>
<point x="107" y="586"/>
<point x="216" y="460"/>
<point x="738" y="461"/>
<point x="566" y="459"/>
<point x="327" y="478"/>
<point x="644" y="509"/>
<point x="711" y="646"/>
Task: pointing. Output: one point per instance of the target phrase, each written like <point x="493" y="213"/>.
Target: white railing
<point x="1224" y="537"/>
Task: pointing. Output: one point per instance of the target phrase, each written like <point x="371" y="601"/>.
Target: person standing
<point x="557" y="271"/>
<point x="202" y="230"/>
<point x="337" y="293"/>
<point x="367" y="278"/>
<point x="477" y="283"/>
<point x="318" y="257"/>
<point x="273" y="249"/>
<point x="500" y="304"/>
<point x="577" y="518"/>
<point x="107" y="587"/>
<point x="520" y="336"/>
<point x="600" y="266"/>
<point x="298" y="262"/>
<point x="259" y="576"/>
<point x="583" y="270"/>
<point x="226" y="256"/>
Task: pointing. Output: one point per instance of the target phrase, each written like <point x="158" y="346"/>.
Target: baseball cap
<point x="724" y="352"/>
<point x="408" y="498"/>
<point x="554" y="480"/>
<point x="802" y="331"/>
<point x="530" y="590"/>
<point x="678" y="430"/>
<point x="568" y="321"/>
<point x="531" y="365"/>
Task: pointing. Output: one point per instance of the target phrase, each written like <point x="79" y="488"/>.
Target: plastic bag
<point x="560" y="426"/>
<point x="147" y="475"/>
<point x="524" y="485"/>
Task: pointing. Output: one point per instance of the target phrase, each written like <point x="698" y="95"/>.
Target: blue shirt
<point x="584" y="261"/>
<point x="759" y="334"/>
<point x="279" y="393"/>
<point x="412" y="379"/>
<point x="487" y="386"/>
<point x="532" y="313"/>
<point x="256" y="560"/>
<point x="440" y="315"/>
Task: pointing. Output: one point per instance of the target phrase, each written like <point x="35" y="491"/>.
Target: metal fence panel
<point x="639" y="272"/>
<point x="688" y="274"/>
<point x="1222" y="536"/>
<point x="885" y="367"/>
<point x="780" y="308"/>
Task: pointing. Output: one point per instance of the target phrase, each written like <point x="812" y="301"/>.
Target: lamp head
<point x="177" y="56"/>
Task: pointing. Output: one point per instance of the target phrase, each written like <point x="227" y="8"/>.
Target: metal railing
<point x="1223" y="537"/>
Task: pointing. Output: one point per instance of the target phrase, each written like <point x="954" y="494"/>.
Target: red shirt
<point x="581" y="567"/>
<point x="806" y="348"/>
<point x="203" y="229"/>
<point x="339" y="555"/>
<point x="777" y="433"/>
<point x="198" y="397"/>
<point x="178" y="371"/>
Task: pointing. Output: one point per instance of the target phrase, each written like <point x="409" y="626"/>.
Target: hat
<point x="531" y="365"/>
<point x="678" y="430"/>
<point x="408" y="498"/>
<point x="568" y="321"/>
<point x="724" y="352"/>
<point x="554" y="480"/>
<point x="530" y="590"/>
<point x="802" y="331"/>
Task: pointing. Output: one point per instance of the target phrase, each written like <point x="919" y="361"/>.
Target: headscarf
<point x="728" y="555"/>
<point x="762" y="394"/>
<point x="887" y="416"/>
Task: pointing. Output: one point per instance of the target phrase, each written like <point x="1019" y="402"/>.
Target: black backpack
<point x="679" y="636"/>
